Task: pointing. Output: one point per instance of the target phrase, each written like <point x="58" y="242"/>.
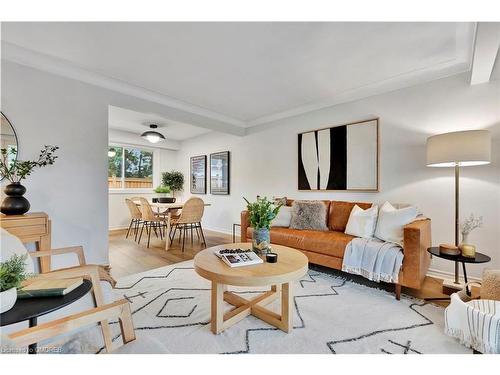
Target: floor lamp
<point x="459" y="149"/>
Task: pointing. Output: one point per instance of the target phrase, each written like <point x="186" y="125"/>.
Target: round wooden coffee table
<point x="291" y="265"/>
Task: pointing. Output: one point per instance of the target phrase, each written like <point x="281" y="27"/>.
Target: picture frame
<point x="220" y="169"/>
<point x="198" y="174"/>
<point x="344" y="157"/>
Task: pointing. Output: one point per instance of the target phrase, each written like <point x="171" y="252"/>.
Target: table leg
<point x="167" y="237"/>
<point x="33" y="347"/>
<point x="465" y="279"/>
<point x="286" y="307"/>
<point x="217" y="307"/>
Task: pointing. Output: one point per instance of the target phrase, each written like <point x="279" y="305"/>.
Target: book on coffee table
<point x="49" y="288"/>
<point x="240" y="259"/>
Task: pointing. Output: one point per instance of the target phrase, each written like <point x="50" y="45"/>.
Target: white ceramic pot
<point x="7" y="299"/>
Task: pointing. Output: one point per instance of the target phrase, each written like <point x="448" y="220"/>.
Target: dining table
<point x="165" y="208"/>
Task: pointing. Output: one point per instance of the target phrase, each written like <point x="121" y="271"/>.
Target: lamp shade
<point x="464" y="148"/>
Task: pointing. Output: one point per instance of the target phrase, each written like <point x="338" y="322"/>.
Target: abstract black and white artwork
<point x="198" y="174"/>
<point x="342" y="157"/>
<point x="219" y="173"/>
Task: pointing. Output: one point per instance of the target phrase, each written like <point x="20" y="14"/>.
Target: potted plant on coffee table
<point x="12" y="273"/>
<point x="261" y="212"/>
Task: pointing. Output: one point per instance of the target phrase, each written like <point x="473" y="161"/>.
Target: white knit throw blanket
<point x="374" y="259"/>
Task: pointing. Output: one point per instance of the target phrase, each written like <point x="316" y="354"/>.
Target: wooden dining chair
<point x="189" y="219"/>
<point x="151" y="221"/>
<point x="135" y="216"/>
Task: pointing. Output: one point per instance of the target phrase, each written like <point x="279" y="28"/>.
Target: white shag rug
<point x="171" y="312"/>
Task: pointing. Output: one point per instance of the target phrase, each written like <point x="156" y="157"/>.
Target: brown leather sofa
<point x="327" y="248"/>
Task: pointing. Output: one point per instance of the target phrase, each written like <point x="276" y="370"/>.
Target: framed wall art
<point x="198" y="174"/>
<point x="219" y="173"/>
<point x="344" y="157"/>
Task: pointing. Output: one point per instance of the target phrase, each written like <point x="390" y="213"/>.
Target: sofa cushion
<point x="329" y="243"/>
<point x="339" y="214"/>
<point x="283" y="218"/>
<point x="309" y="215"/>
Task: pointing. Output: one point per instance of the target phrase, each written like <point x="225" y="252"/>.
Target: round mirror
<point x="8" y="139"/>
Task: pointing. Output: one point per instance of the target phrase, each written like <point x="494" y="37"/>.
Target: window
<point x="130" y="168"/>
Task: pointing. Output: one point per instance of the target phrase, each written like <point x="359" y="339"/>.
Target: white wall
<point x="265" y="161"/>
<point x="49" y="109"/>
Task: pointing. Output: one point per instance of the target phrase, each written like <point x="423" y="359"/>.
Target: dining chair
<point x="135" y="216"/>
<point x="151" y="221"/>
<point x="189" y="219"/>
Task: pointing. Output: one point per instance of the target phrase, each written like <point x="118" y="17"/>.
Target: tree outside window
<point x="130" y="168"/>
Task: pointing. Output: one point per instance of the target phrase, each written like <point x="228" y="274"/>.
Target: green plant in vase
<point x="174" y="180"/>
<point x="17" y="170"/>
<point x="261" y="213"/>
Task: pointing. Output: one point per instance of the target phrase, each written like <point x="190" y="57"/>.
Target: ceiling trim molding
<point x="438" y="71"/>
<point x="40" y="61"/>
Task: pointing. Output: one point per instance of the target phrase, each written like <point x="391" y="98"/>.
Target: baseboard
<point x="432" y="272"/>
<point x="114" y="229"/>
<point x="223" y="231"/>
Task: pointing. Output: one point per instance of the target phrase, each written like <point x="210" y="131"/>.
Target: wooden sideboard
<point x="33" y="227"/>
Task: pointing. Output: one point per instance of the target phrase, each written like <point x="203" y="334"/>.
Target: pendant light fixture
<point x="152" y="135"/>
<point x="111" y="152"/>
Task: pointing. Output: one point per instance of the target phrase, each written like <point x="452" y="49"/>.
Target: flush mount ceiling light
<point x="111" y="153"/>
<point x="152" y="135"/>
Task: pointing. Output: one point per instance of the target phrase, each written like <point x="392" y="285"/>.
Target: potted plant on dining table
<point x="261" y="212"/>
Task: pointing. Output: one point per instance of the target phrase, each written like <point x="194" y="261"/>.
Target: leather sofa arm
<point x="245" y="223"/>
<point x="417" y="239"/>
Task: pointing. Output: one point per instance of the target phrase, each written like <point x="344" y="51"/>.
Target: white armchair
<point x="95" y="307"/>
<point x="474" y="322"/>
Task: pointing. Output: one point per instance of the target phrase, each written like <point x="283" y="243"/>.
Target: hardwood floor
<point x="127" y="257"/>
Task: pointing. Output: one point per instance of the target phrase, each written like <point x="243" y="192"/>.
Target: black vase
<point x="15" y="203"/>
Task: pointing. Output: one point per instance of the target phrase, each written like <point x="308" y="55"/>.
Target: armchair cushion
<point x="11" y="245"/>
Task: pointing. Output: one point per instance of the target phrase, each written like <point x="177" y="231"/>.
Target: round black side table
<point x="31" y="308"/>
<point x="479" y="258"/>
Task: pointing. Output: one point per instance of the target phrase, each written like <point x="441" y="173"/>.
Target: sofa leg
<point x="397" y="290"/>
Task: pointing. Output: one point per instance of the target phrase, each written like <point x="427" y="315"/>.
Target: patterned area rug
<point x="171" y="311"/>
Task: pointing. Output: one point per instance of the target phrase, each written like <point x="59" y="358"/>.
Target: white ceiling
<point x="254" y="72"/>
<point x="138" y="122"/>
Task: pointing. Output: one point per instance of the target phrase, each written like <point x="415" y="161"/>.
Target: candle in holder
<point x="271" y="257"/>
<point x="468" y="251"/>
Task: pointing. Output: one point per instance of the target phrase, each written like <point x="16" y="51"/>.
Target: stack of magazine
<point x="238" y="257"/>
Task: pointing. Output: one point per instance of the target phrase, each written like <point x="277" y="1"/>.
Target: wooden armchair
<point x="93" y="272"/>
<point x="99" y="314"/>
<point x="119" y="309"/>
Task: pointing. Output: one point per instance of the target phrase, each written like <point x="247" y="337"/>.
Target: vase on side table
<point x="261" y="240"/>
<point x="15" y="203"/>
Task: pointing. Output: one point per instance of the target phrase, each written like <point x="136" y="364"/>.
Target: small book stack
<point x="49" y="288"/>
<point x="238" y="257"/>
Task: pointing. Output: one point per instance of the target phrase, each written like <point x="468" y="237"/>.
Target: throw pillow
<point x="11" y="245"/>
<point x="391" y="221"/>
<point x="308" y="215"/>
<point x="283" y="218"/>
<point x="277" y="201"/>
<point x="361" y="222"/>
